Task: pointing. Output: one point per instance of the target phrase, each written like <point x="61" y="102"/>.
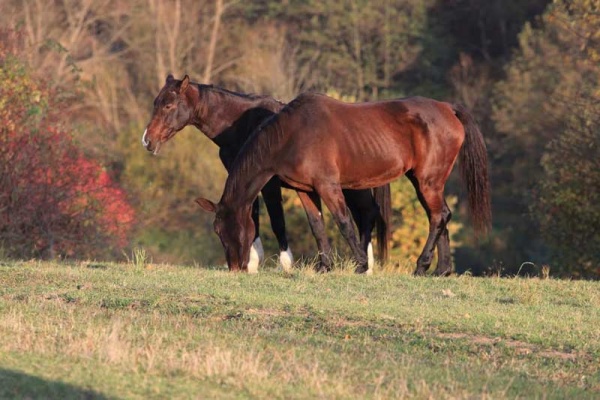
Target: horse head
<point x="172" y="111"/>
<point x="235" y="228"/>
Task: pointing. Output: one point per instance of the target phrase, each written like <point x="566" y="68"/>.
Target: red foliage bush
<point x="54" y="201"/>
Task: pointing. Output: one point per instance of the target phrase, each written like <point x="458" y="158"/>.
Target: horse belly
<point x="368" y="172"/>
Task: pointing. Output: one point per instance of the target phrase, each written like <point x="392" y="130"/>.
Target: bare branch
<point x="213" y="40"/>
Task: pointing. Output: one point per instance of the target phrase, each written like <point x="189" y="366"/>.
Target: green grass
<point x="100" y="330"/>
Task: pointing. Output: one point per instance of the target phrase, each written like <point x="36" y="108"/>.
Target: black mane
<point x="248" y="96"/>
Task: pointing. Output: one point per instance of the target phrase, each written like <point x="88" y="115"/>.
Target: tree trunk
<point x="213" y="41"/>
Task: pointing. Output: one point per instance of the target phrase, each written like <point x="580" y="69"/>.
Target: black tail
<point x="474" y="171"/>
<point x="383" y="198"/>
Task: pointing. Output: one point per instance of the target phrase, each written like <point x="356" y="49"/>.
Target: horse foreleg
<point x="312" y="206"/>
<point x="334" y="200"/>
<point x="272" y="197"/>
<point x="257" y="254"/>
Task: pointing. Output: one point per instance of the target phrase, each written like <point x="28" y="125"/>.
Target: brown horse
<point x="318" y="143"/>
<point x="228" y="119"/>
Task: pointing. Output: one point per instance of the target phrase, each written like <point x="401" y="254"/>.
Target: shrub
<point x="54" y="201"/>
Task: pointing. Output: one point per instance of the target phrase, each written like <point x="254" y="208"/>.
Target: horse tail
<point x="474" y="171"/>
<point x="383" y="198"/>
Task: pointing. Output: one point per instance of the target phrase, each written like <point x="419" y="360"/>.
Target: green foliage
<point x="172" y="227"/>
<point x="354" y="46"/>
<point x="568" y="198"/>
<point x="550" y="79"/>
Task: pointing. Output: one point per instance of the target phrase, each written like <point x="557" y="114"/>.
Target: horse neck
<point x="242" y="188"/>
<point x="254" y="165"/>
<point x="216" y="110"/>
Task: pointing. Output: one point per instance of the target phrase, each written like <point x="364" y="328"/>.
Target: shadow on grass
<point x="19" y="385"/>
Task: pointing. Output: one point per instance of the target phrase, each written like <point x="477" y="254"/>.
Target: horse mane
<point x="231" y="93"/>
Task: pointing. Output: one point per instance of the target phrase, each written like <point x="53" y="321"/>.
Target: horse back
<point x="366" y="144"/>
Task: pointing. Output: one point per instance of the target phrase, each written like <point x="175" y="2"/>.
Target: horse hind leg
<point x="444" y="266"/>
<point x="334" y="200"/>
<point x="431" y="197"/>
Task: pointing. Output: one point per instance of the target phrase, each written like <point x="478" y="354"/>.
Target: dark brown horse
<point x="228" y="119"/>
<point x="318" y="143"/>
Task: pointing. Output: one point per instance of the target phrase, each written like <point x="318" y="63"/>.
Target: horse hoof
<point x="286" y="260"/>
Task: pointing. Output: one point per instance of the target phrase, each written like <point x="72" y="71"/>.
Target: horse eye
<point x="169" y="106"/>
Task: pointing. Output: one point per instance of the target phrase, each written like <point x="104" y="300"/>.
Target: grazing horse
<point x="228" y="119"/>
<point x="318" y="143"/>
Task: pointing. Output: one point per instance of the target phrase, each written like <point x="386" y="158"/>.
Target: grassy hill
<point x="99" y="330"/>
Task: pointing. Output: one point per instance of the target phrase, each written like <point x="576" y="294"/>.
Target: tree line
<point x="87" y="72"/>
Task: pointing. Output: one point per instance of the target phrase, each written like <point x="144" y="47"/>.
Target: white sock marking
<point x="257" y="254"/>
<point x="286" y="259"/>
<point x="259" y="249"/>
<point x="253" y="262"/>
<point x="370" y="259"/>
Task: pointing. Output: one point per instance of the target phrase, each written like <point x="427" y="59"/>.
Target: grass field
<point x="100" y="330"/>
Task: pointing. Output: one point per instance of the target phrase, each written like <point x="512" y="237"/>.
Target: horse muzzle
<point x="149" y="145"/>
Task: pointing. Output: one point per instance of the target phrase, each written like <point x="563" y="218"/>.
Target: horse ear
<point x="184" y="84"/>
<point x="170" y="78"/>
<point x="206" y="205"/>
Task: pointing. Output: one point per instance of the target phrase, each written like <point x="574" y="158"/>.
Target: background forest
<point x="78" y="77"/>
